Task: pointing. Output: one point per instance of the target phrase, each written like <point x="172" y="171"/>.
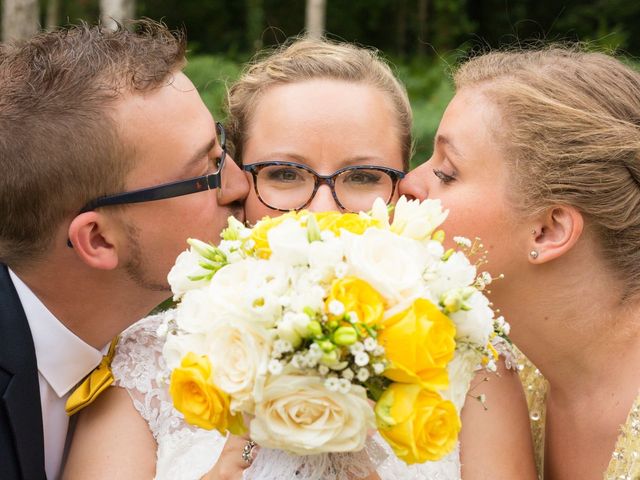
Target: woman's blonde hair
<point x="306" y="59"/>
<point x="571" y="132"/>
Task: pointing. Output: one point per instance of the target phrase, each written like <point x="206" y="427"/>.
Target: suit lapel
<point x="21" y="396"/>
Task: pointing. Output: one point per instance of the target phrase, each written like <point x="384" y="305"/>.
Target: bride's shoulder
<point x="138" y="358"/>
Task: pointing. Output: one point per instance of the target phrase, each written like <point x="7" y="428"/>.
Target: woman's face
<point x="326" y="125"/>
<point x="469" y="174"/>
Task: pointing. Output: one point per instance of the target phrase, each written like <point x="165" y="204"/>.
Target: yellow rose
<point x="358" y="296"/>
<point x="352" y="222"/>
<point x="419" y="343"/>
<point x="199" y="400"/>
<point x="260" y="231"/>
<point x="418" y="424"/>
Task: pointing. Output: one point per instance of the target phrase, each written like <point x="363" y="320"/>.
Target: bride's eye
<point x="444" y="177"/>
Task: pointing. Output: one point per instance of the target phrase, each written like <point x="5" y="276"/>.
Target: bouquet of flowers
<point x="319" y="328"/>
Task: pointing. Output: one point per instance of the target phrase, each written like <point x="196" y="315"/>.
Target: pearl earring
<point x="533" y="254"/>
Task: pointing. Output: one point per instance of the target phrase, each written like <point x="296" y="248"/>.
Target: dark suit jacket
<point x="21" y="437"/>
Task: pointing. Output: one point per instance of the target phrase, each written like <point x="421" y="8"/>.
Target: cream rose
<point x="239" y="351"/>
<point x="298" y="414"/>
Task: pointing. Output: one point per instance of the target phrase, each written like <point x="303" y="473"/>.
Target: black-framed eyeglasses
<point x="285" y="186"/>
<point x="167" y="190"/>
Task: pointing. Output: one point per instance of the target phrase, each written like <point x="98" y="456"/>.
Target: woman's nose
<point x="414" y="184"/>
<point x="323" y="200"/>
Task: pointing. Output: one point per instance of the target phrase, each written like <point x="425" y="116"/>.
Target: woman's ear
<point x="92" y="238"/>
<point x="556" y="232"/>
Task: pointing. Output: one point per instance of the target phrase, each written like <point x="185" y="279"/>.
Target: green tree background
<point x="421" y="38"/>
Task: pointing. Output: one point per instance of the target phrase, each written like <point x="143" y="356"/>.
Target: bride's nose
<point x="414" y="184"/>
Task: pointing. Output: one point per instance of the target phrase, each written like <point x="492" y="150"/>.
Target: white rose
<point x="391" y="264"/>
<point x="475" y="325"/>
<point x="187" y="265"/>
<point x="177" y="346"/>
<point x="417" y="220"/>
<point x="240" y="352"/>
<point x="196" y="312"/>
<point x="461" y="370"/>
<point x="289" y="243"/>
<point x="300" y="415"/>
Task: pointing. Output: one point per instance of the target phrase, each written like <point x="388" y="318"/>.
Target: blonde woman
<point x="539" y="154"/>
<point x="331" y="123"/>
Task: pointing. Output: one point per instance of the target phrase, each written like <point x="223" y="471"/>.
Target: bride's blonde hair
<point x="306" y="59"/>
<point x="571" y="133"/>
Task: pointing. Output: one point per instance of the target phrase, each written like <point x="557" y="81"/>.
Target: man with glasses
<point x="109" y="161"/>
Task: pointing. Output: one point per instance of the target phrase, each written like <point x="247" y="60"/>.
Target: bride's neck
<point x="580" y="334"/>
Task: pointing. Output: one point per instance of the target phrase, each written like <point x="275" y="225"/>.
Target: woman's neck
<point x="579" y="333"/>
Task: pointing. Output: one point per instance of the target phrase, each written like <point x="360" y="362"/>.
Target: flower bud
<point x="326" y="346"/>
<point x="314" y="328"/>
<point x="438" y="236"/>
<point x="345" y="336"/>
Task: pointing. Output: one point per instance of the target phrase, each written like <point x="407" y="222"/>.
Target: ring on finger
<point x="247" y="452"/>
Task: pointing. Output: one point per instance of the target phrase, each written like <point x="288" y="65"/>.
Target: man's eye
<point x="444" y="177"/>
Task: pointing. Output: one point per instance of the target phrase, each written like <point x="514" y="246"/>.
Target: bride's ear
<point x="557" y="231"/>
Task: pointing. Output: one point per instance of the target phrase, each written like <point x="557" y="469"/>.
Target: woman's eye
<point x="284" y="175"/>
<point x="363" y="178"/>
<point x="444" y="177"/>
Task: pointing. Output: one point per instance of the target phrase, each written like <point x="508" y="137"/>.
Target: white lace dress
<point x="187" y="453"/>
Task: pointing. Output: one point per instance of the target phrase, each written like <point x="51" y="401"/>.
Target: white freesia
<point x="461" y="371"/>
<point x="187" y="266"/>
<point x="288" y="243"/>
<point x="299" y="414"/>
<point x="456" y="272"/>
<point x="392" y="265"/>
<point x="417" y="220"/>
<point x="324" y="256"/>
<point x="239" y="351"/>
<point x="476" y="324"/>
<point x="380" y="212"/>
<point x="250" y="289"/>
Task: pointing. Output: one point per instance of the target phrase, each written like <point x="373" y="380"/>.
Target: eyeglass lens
<point x="288" y="187"/>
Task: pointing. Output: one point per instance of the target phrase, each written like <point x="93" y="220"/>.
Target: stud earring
<point x="533" y="254"/>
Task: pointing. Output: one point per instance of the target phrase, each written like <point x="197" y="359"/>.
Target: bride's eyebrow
<point x="444" y="141"/>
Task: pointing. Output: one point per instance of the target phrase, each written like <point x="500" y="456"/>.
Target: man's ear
<point x="556" y="232"/>
<point x="92" y="237"/>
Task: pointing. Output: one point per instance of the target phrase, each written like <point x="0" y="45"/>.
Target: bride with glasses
<point x="321" y="126"/>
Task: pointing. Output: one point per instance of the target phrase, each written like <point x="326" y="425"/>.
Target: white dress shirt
<point x="63" y="360"/>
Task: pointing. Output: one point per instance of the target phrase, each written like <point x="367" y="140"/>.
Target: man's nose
<point x="235" y="186"/>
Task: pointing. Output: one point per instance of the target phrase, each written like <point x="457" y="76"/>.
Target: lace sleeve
<point x="184" y="452"/>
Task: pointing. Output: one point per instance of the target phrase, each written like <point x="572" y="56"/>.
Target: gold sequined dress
<point x="625" y="460"/>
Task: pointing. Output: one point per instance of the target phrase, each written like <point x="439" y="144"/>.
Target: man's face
<point x="173" y="136"/>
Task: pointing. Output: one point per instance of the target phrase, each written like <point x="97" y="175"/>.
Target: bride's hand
<point x="230" y="464"/>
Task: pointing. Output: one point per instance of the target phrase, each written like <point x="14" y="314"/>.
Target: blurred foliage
<point x="421" y="37"/>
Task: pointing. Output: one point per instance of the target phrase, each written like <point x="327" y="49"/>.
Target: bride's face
<point x="325" y="125"/>
<point x="469" y="173"/>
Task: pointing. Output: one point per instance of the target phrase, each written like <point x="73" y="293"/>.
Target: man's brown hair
<point x="59" y="146"/>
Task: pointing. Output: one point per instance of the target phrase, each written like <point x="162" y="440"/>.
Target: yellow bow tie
<point x="93" y="384"/>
